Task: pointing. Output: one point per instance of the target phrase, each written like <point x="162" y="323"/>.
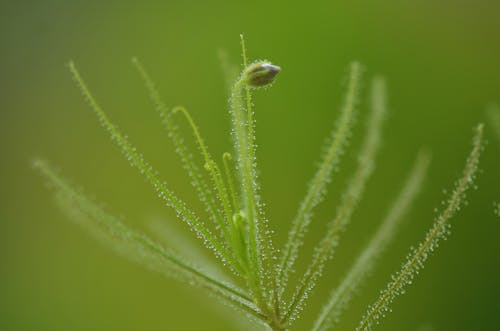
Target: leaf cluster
<point x="235" y="228"/>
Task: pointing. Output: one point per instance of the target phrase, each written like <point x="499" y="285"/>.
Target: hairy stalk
<point x="260" y="277"/>
<point x="355" y="190"/>
<point x="239" y="240"/>
<point x="250" y="182"/>
<point x="243" y="129"/>
<point x="205" y="195"/>
<point x="317" y="187"/>
<point x="145" y="169"/>
<point x="245" y="174"/>
<point x="340" y="297"/>
<point x="438" y="232"/>
<point x="266" y="268"/>
<point x="213" y="168"/>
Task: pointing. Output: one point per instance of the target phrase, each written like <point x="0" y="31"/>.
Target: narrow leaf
<point x="212" y="167"/>
<point x="340" y="297"/>
<point x="197" y="179"/>
<point x="147" y="171"/>
<point x="355" y="190"/>
<point x="438" y="231"/>
<point x="259" y="246"/>
<point x="317" y="187"/>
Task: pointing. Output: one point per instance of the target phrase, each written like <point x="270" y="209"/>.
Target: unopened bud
<point x="260" y="74"/>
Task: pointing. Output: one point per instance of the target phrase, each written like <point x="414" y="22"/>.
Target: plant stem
<point x="245" y="173"/>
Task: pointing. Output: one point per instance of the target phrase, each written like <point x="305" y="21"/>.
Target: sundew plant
<point x="234" y="226"/>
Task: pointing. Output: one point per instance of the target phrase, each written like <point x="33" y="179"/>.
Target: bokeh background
<point x="441" y="60"/>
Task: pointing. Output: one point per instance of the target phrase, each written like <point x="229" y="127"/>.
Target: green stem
<point x="247" y="186"/>
<point x="214" y="170"/>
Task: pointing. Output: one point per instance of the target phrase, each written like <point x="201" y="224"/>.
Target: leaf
<point x="212" y="167"/>
<point x="340" y="297"/>
<point x="351" y="198"/>
<point x="205" y="194"/>
<point x="147" y="171"/>
<point x="260" y="250"/>
<point x="317" y="187"/>
<point x="439" y="230"/>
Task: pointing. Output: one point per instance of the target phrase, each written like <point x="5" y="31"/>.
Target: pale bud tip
<point x="261" y="74"/>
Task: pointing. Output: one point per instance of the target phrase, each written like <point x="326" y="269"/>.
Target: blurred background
<point x="441" y="62"/>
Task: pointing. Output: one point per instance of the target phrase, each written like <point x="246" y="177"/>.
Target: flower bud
<point x="260" y="74"/>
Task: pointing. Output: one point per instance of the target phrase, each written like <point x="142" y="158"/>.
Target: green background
<point x="442" y="63"/>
